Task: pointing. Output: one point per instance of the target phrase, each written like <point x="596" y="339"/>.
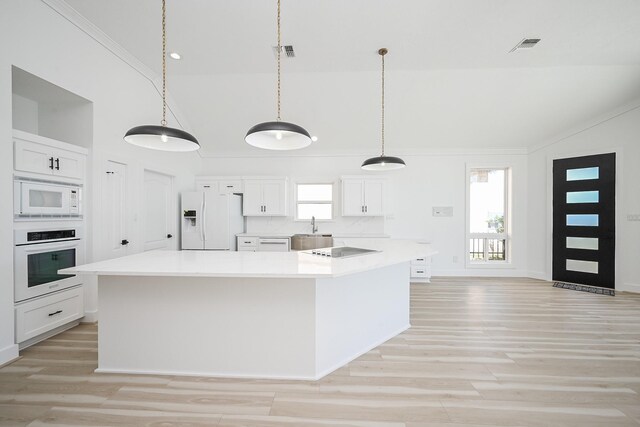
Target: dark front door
<point x="584" y="201"/>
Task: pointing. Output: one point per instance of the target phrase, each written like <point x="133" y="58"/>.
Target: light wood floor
<point x="481" y="352"/>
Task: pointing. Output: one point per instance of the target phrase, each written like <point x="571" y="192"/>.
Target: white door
<point x="114" y="210"/>
<point x="252" y="204"/>
<point x="373" y="195"/>
<point x="273" y="195"/>
<point x="353" y="197"/>
<point x="159" y="215"/>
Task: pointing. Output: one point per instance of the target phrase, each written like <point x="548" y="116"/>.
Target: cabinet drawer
<point x="419" y="261"/>
<point x="247" y="241"/>
<point x="207" y="186"/>
<point x="231" y="186"/>
<point x="247" y="249"/>
<point x="419" y="271"/>
<point x="43" y="314"/>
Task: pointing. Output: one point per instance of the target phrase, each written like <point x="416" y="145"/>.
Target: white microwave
<point x="42" y="198"/>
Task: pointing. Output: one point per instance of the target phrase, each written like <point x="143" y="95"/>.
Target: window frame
<point x="296" y="202"/>
<point x="508" y="224"/>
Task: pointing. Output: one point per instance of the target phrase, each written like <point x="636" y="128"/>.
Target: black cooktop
<point x="341" y="252"/>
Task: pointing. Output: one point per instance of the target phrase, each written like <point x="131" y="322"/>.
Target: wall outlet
<point x="442" y="211"/>
<point x="455" y="259"/>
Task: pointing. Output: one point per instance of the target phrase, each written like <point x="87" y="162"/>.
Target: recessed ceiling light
<point x="175" y="55"/>
<point x="314" y="138"/>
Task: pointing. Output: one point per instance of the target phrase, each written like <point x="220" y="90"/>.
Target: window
<point x="314" y="200"/>
<point x="488" y="215"/>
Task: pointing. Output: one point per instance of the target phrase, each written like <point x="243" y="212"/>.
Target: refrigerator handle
<point x="202" y="217"/>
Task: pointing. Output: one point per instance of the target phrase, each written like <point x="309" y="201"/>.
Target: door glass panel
<point x="43" y="267"/>
<point x="590" y="243"/>
<point x="583" y="220"/>
<point x="582" y="266"/>
<point x="583" y="173"/>
<point x="583" y="197"/>
<point x="45" y="199"/>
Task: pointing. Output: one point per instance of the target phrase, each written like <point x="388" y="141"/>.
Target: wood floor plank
<point x="480" y="352"/>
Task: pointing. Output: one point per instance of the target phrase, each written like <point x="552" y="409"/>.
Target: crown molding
<point x="585" y="126"/>
<point x="83" y="24"/>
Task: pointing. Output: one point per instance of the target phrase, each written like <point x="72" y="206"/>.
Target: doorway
<point x="584" y="220"/>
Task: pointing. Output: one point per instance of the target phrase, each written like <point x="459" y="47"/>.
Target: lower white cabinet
<point x="40" y="315"/>
<point x="421" y="270"/>
<point x="247" y="244"/>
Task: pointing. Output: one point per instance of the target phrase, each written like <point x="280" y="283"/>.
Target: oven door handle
<point x="46" y="247"/>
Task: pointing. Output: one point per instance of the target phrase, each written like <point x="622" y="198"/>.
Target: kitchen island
<point x="289" y="315"/>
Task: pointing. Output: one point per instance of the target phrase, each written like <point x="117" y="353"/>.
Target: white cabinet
<point x="362" y="197"/>
<point x="265" y="197"/>
<point x="220" y="185"/>
<point x="36" y="154"/>
<point x="421" y="270"/>
<point x="247" y="244"/>
<point x="40" y="315"/>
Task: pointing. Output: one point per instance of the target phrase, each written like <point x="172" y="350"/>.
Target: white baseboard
<point x="540" y="275"/>
<point x="90" y="317"/>
<point x="629" y="287"/>
<point x="8" y="354"/>
<point x="479" y="272"/>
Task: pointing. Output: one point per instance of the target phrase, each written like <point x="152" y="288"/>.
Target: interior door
<point x="114" y="210"/>
<point x="159" y="212"/>
<point x="584" y="205"/>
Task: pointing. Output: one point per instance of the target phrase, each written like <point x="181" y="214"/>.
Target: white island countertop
<point x="254" y="264"/>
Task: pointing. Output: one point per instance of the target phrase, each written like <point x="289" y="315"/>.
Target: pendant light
<point x="162" y="137"/>
<point x="278" y="135"/>
<point x="383" y="163"/>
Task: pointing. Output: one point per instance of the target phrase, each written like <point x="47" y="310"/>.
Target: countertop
<point x="254" y="264"/>
<point x="268" y="235"/>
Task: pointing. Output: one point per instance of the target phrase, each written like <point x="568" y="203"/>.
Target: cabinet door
<point x="373" y="197"/>
<point x="252" y="201"/>
<point x="32" y="157"/>
<point x="68" y="164"/>
<point x="274" y="197"/>
<point x="207" y="186"/>
<point x="353" y="197"/>
<point x="230" y="186"/>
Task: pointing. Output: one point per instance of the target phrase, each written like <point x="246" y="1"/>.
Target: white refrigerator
<point x="210" y="220"/>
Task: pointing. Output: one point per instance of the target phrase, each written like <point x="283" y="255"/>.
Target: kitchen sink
<point x="303" y="242"/>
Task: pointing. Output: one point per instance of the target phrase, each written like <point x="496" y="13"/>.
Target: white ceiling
<point x="451" y="81"/>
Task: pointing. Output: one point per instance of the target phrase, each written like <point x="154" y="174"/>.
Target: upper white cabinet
<point x="265" y="197"/>
<point x="362" y="196"/>
<point x="44" y="156"/>
<point x="222" y="185"/>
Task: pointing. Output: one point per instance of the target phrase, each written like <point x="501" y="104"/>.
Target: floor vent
<point x="585" y="288"/>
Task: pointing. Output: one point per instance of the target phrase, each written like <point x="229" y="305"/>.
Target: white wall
<point x="619" y="132"/>
<point x="37" y="39"/>
<point x="427" y="181"/>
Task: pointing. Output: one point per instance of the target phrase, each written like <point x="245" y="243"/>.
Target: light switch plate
<point x="442" y="211"/>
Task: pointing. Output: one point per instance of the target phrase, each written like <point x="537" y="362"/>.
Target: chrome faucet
<point x="314" y="228"/>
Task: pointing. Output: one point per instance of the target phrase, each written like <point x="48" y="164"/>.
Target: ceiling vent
<point x="286" y="51"/>
<point x="525" y="44"/>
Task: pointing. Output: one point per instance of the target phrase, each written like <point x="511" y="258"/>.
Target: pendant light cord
<point x="279" y="53"/>
<point x="164" y="63"/>
<point x="382" y="53"/>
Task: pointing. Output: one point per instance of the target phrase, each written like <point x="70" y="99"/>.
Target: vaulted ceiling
<point x="452" y="82"/>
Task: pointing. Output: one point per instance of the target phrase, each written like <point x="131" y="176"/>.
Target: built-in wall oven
<point x="39" y="253"/>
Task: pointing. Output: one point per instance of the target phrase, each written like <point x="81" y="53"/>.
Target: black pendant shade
<point x="381" y="163"/>
<point x="278" y="135"/>
<point x="161" y="138"/>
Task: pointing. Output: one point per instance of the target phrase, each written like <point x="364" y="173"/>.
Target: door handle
<point x="124" y="242"/>
<point x="169" y="236"/>
<point x="362" y="209"/>
<point x="366" y="208"/>
<point x="55" y="312"/>
<point x="265" y="208"/>
<point x="57" y="164"/>
<point x="51" y="163"/>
